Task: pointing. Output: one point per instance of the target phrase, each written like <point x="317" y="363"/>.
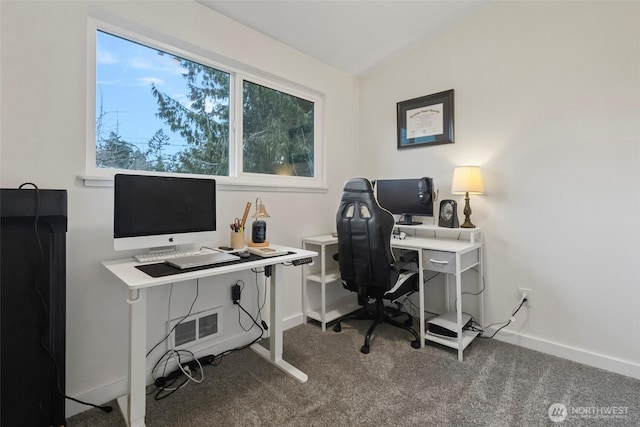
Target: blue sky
<point x="125" y="72"/>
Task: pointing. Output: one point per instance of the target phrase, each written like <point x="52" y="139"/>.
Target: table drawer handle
<point x="435" y="261"/>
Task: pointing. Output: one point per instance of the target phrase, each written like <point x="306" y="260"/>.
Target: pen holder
<point x="237" y="240"/>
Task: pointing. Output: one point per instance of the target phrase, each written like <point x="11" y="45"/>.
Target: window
<point x="159" y="112"/>
<point x="161" y="108"/>
<point x="277" y="131"/>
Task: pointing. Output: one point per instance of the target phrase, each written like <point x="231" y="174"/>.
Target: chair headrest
<point x="358" y="185"/>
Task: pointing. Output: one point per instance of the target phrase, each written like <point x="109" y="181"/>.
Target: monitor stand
<point x="407" y="220"/>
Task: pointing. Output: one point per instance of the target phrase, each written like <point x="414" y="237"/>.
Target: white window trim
<point x="237" y="180"/>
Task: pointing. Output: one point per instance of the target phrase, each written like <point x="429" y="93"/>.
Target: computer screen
<point x="161" y="211"/>
<point x="407" y="197"/>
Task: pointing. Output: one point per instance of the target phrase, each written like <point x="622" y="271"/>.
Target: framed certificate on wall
<point x="427" y="120"/>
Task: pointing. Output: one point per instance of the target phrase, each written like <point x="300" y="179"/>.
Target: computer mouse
<point x="243" y="254"/>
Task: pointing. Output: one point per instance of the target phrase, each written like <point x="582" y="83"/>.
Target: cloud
<point x="141" y="63"/>
<point x="146" y="81"/>
<point x="114" y="82"/>
<point x="106" y="57"/>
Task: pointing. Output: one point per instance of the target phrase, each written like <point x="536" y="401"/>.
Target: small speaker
<point x="448" y="216"/>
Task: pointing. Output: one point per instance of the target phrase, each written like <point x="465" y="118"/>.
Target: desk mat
<point x="161" y="269"/>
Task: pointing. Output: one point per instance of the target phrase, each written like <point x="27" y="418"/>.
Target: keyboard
<point x="163" y="256"/>
<point x="200" y="260"/>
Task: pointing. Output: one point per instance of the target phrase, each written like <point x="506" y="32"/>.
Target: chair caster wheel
<point x="337" y="327"/>
<point x="364" y="349"/>
<point x="415" y="344"/>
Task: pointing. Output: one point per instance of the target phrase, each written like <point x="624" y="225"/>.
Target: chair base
<point x="379" y="314"/>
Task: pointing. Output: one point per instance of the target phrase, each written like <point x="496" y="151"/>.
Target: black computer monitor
<point x="160" y="211"/>
<point x="407" y="197"/>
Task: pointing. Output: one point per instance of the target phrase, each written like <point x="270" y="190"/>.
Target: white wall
<point x="547" y="101"/>
<point x="43" y="88"/>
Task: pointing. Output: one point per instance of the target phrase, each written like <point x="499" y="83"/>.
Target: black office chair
<point x="367" y="263"/>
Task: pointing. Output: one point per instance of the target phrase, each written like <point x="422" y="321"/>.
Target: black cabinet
<point x="32" y="307"/>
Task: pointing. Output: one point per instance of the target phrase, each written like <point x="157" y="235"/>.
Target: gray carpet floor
<point x="497" y="384"/>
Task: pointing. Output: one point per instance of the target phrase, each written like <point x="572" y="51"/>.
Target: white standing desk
<point x="133" y="404"/>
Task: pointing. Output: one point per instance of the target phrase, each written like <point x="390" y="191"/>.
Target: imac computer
<point x="407" y="197"/>
<point x="160" y="211"/>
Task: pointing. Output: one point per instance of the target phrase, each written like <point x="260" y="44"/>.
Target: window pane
<point x="278" y="133"/>
<point x="159" y="112"/>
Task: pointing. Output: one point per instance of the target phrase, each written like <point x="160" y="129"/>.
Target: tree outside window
<point x="156" y="111"/>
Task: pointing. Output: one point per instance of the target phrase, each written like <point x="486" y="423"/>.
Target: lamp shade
<point x="467" y="179"/>
<point x="261" y="211"/>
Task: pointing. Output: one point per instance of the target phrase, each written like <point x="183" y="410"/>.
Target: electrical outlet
<point x="525" y="291"/>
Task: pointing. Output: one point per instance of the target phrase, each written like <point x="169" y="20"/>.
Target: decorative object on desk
<point x="259" y="227"/>
<point x="266" y="251"/>
<point x="467" y="180"/>
<point x="427" y="120"/>
<point x="448" y="216"/>
<point x="245" y="214"/>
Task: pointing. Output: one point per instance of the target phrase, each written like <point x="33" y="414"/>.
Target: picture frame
<point x="426" y="121"/>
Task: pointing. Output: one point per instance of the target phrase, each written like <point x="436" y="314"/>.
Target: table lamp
<point x="259" y="227"/>
<point x="467" y="180"/>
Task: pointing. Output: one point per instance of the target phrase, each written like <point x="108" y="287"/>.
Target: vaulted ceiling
<point x="353" y="36"/>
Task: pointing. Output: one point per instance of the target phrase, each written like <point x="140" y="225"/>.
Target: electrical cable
<point x="45" y="323"/>
<point x="455" y="301"/>
<point x="166" y="384"/>
<point x="181" y="320"/>
<point x="511" y="319"/>
<point x="264" y="302"/>
<point x="254" y="320"/>
<point x="484" y="285"/>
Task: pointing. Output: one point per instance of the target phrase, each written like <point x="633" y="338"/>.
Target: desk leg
<point x="274" y="354"/>
<point x="304" y="270"/>
<point x="481" y="286"/>
<point x="459" y="307"/>
<point x="133" y="406"/>
<point x="323" y="289"/>
<point x="421" y="296"/>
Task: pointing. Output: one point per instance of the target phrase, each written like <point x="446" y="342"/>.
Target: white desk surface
<point x="416" y="243"/>
<point x="446" y="245"/>
<point x="133" y="278"/>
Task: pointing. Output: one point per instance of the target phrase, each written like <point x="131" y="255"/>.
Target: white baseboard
<point x="608" y="363"/>
<point x="292" y="321"/>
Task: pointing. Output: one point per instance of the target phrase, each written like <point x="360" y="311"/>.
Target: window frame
<point x="238" y="74"/>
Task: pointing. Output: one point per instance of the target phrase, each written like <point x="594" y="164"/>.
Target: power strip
<point x="301" y="261"/>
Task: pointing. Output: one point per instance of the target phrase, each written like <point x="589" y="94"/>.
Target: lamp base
<point x="258" y="245"/>
<point x="467" y="213"/>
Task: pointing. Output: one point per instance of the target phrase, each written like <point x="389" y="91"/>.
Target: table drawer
<point x="445" y="262"/>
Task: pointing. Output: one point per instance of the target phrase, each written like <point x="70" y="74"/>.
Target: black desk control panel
<point x="301" y="261"/>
